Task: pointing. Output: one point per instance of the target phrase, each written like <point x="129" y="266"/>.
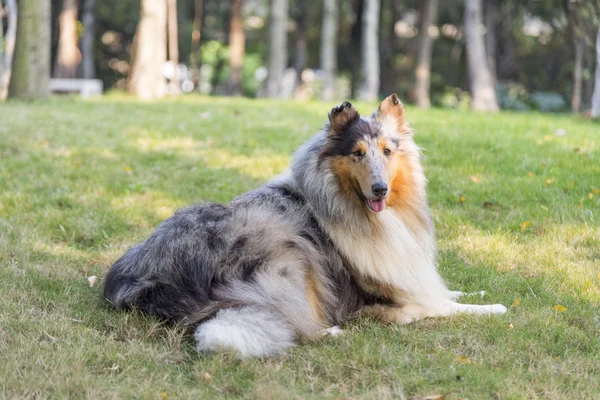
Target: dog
<point x="345" y="231"/>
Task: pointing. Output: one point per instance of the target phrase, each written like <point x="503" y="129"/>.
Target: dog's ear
<point x="392" y="107"/>
<point x="340" y="116"/>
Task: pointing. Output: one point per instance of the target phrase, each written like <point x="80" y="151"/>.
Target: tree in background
<point x="596" y="95"/>
<point x="31" y="65"/>
<point x="369" y="87"/>
<point x="88" y="19"/>
<point x="237" y="48"/>
<point x="277" y="47"/>
<point x="492" y="18"/>
<point x="146" y="79"/>
<point x="6" y="56"/>
<point x="424" y="52"/>
<point x="355" y="39"/>
<point x="69" y="56"/>
<point x="196" y="36"/>
<point x="173" y="44"/>
<point x="329" y="47"/>
<point x="300" y="53"/>
<point x="483" y="94"/>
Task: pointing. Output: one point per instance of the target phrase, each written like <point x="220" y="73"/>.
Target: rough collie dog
<point x="346" y="230"/>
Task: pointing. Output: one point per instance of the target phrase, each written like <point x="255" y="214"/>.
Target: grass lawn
<point x="517" y="212"/>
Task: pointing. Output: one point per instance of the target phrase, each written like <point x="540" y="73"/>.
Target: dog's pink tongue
<point x="376" y="205"/>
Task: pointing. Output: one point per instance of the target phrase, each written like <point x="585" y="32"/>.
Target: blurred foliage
<point x="540" y="61"/>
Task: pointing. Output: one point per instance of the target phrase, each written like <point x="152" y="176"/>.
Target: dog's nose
<point x="379" y="189"/>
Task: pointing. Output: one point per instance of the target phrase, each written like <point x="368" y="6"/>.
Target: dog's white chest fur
<point x="395" y="255"/>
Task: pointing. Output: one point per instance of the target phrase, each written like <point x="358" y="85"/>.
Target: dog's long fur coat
<point x="346" y="229"/>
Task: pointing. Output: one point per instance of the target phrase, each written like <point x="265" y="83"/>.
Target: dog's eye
<point x="387" y="152"/>
<point x="358" y="153"/>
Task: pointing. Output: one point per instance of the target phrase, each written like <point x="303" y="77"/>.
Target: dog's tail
<point x="139" y="281"/>
<point x="121" y="281"/>
<point x="251" y="331"/>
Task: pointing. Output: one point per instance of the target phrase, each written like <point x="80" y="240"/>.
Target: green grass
<point x="516" y="209"/>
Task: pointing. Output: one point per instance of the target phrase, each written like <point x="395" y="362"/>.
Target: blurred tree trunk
<point x="88" y="18"/>
<point x="6" y="57"/>
<point x="237" y="48"/>
<point x="483" y="95"/>
<point x="492" y="15"/>
<point x="277" y="47"/>
<point x="369" y="88"/>
<point x="356" y="38"/>
<point x="578" y="51"/>
<point x="146" y="79"/>
<point x="69" y="56"/>
<point x="31" y="64"/>
<point x="329" y="47"/>
<point x="423" y="69"/>
<point x="173" y="43"/>
<point x="300" y="53"/>
<point x="196" y="35"/>
<point x="578" y="48"/>
<point x="596" y="95"/>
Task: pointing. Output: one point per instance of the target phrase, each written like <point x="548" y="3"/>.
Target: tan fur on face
<point x="351" y="173"/>
<point x="405" y="195"/>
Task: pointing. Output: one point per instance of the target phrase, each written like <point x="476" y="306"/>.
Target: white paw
<point x="333" y="331"/>
<point x="497" y="309"/>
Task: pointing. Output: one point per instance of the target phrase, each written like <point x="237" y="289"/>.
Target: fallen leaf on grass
<point x="463" y="360"/>
<point x="433" y="397"/>
<point x="559" y="308"/>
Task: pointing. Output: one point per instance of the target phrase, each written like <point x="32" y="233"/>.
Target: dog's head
<point x="368" y="155"/>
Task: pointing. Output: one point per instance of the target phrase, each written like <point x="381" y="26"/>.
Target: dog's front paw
<point x="497" y="309"/>
<point x="333" y="331"/>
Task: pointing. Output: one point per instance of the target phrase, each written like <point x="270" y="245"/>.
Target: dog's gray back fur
<point x="242" y="268"/>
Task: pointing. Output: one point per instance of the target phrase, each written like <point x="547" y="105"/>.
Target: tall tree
<point x="424" y="51"/>
<point x="146" y="79"/>
<point x="277" y="47"/>
<point x="483" y="94"/>
<point x="9" y="47"/>
<point x="578" y="45"/>
<point x="329" y="47"/>
<point x="196" y="35"/>
<point x="596" y="95"/>
<point x="356" y="37"/>
<point x="300" y="55"/>
<point x="237" y="47"/>
<point x="492" y="17"/>
<point x="88" y="19"/>
<point x="31" y="64"/>
<point x="369" y="88"/>
<point x="173" y="43"/>
<point x="69" y="56"/>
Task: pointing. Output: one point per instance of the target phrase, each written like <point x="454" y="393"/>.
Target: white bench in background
<point x="85" y="87"/>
